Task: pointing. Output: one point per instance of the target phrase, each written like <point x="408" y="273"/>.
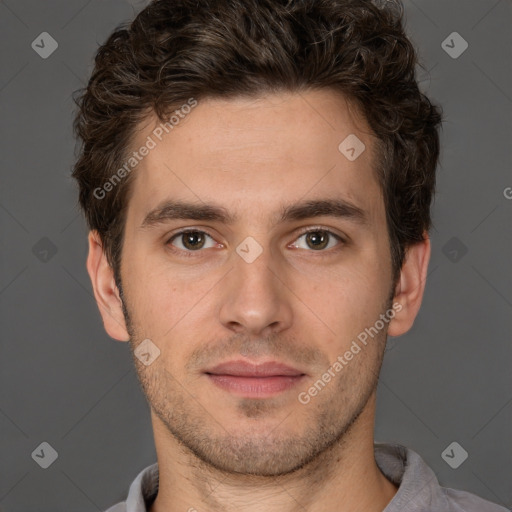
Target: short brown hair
<point x="178" y="49"/>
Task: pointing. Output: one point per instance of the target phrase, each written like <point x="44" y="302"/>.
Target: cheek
<point x="168" y="306"/>
<point x="347" y="298"/>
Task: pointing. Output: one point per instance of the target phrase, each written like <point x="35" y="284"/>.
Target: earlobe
<point x="105" y="290"/>
<point x="411" y="286"/>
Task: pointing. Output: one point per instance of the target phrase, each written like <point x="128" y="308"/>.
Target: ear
<point x="410" y="287"/>
<point x="105" y="290"/>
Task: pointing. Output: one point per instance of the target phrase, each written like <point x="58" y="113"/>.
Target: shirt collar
<point x="143" y="490"/>
<point x="418" y="487"/>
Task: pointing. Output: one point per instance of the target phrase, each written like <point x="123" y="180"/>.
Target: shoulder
<point x="464" y="501"/>
<point x="418" y="487"/>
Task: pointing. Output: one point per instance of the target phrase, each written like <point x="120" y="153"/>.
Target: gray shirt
<point x="418" y="488"/>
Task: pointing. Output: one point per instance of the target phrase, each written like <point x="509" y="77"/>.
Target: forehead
<point x="257" y="154"/>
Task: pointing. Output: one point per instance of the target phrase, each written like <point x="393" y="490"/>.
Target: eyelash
<point x="190" y="254"/>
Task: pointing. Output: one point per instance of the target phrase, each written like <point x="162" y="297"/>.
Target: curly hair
<point x="175" y="50"/>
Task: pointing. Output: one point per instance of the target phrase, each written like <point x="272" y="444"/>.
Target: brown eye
<point x="318" y="240"/>
<point x="192" y="240"/>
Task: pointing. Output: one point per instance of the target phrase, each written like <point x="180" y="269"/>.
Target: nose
<point x="255" y="297"/>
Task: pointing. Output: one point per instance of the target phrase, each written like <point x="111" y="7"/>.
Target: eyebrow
<point x="173" y="209"/>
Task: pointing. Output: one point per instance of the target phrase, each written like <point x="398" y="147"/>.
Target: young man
<point x="257" y="178"/>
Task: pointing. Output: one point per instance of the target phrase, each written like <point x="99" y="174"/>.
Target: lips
<point x="246" y="369"/>
<point x="254" y="380"/>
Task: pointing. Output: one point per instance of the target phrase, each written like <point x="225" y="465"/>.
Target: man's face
<point x="258" y="289"/>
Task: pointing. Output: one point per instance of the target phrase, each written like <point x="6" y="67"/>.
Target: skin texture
<point x="294" y="303"/>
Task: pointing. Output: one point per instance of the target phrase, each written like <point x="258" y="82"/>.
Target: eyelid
<point x="310" y="229"/>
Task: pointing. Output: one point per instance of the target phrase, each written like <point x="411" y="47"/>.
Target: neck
<point x="344" y="477"/>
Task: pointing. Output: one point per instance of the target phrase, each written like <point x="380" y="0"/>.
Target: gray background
<point x="65" y="382"/>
